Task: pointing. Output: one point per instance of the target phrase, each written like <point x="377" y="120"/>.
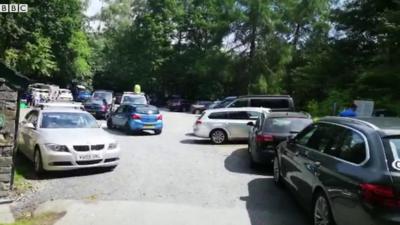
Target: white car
<point x="65" y="95"/>
<point x="61" y="138"/>
<point x="133" y="98"/>
<point x="221" y="125"/>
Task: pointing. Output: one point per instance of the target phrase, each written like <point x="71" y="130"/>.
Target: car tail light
<point x="198" y="122"/>
<point x="103" y="108"/>
<point x="379" y="195"/>
<point x="159" y="117"/>
<point x="135" y="116"/>
<point x="264" y="138"/>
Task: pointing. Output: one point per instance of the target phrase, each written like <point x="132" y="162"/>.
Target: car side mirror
<point x="29" y="125"/>
<point x="250" y="124"/>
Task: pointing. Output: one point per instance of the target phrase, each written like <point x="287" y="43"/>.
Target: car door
<point x="292" y="161"/>
<point x="117" y="116"/>
<point x="237" y="124"/>
<point x="23" y="134"/>
<point x="126" y="114"/>
<point x="31" y="134"/>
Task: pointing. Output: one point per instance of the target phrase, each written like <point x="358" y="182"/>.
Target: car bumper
<point x="264" y="156"/>
<point x="137" y="125"/>
<point x="201" y="132"/>
<point x="98" y="114"/>
<point x="57" y="161"/>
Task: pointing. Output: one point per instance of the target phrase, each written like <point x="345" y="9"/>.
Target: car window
<point x="239" y="103"/>
<point x="147" y="110"/>
<point x="241" y="115"/>
<point x="218" y="115"/>
<point x="303" y="137"/>
<point x="54" y="120"/>
<point x="253" y="115"/>
<point x="321" y="139"/>
<point x="134" y="99"/>
<point x="285" y="125"/>
<point x="120" y="109"/>
<point x="127" y="109"/>
<point x="353" y="147"/>
<point x="270" y="103"/>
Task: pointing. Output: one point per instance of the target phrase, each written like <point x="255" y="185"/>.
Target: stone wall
<point x="8" y="118"/>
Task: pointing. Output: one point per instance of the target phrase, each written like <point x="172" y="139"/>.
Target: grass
<point x="23" y="168"/>
<point x="43" y="219"/>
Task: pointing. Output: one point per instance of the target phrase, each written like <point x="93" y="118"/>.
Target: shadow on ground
<point x="205" y="141"/>
<point x="122" y="133"/>
<point x="268" y="204"/>
<point x="239" y="162"/>
<point x="24" y="167"/>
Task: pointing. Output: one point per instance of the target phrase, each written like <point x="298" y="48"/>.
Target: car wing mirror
<point x="250" y="124"/>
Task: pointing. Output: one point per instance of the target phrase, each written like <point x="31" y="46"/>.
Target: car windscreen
<point x="131" y="99"/>
<point x="54" y="120"/>
<point x="103" y="95"/>
<point x="147" y="109"/>
<point x="285" y="125"/>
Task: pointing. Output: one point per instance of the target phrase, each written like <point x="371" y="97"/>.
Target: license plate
<point x="148" y="127"/>
<point x="93" y="113"/>
<point x="89" y="157"/>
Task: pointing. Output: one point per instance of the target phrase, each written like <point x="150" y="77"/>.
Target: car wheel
<point x="157" y="132"/>
<point x="322" y="211"/>
<point x="127" y="129"/>
<point x="218" y="136"/>
<point x="37" y="162"/>
<point x="110" y="125"/>
<point x="277" y="172"/>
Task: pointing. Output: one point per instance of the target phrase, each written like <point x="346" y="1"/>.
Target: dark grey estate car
<point x="345" y="171"/>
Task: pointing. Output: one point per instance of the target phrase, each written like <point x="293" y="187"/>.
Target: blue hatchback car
<point x="136" y="118"/>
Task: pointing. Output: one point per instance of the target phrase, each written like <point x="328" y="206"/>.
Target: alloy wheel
<point x="322" y="212"/>
<point x="218" y="137"/>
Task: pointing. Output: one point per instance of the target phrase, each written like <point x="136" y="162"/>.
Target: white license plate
<point x="148" y="127"/>
<point x="89" y="157"/>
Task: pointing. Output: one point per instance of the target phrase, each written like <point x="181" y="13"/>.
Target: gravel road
<point x="174" y="168"/>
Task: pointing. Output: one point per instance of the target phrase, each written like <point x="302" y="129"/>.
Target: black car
<point x="270" y="130"/>
<point x="97" y="108"/>
<point x="345" y="171"/>
<point x="279" y="103"/>
<point x="179" y="105"/>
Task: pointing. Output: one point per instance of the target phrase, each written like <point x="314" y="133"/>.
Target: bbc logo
<point x="13" y="8"/>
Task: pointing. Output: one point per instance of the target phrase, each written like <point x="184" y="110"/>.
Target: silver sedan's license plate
<point x="89" y="156"/>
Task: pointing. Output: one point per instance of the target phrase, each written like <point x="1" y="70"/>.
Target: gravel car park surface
<point x="174" y="168"/>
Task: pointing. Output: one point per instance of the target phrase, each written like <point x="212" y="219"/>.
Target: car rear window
<point x="285" y="125"/>
<point x="147" y="110"/>
<point x="394" y="145"/>
<point x="270" y="103"/>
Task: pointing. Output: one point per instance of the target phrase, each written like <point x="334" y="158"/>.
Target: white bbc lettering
<point x="23" y="8"/>
<point x="3" y="8"/>
<point x="13" y="7"/>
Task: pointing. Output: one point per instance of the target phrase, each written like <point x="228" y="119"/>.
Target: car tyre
<point x="322" y="214"/>
<point x="277" y="172"/>
<point x="157" y="132"/>
<point x="218" y="136"/>
<point x="37" y="162"/>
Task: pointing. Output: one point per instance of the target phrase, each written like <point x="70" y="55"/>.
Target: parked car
<point x="225" y="102"/>
<point x="213" y="105"/>
<point x="65" y="95"/>
<point x="270" y="130"/>
<point x="274" y="102"/>
<point x="222" y="125"/>
<point x="345" y="171"/>
<point x="179" y="104"/>
<point x="62" y="138"/>
<point x="97" y="108"/>
<point x="199" y="106"/>
<point x="104" y="94"/>
<point x="133" y="98"/>
<point x="83" y="96"/>
<point x="136" y="118"/>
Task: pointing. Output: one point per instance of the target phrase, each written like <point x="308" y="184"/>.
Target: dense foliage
<point x="320" y="51"/>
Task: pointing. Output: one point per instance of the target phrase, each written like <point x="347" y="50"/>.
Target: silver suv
<point x="277" y="103"/>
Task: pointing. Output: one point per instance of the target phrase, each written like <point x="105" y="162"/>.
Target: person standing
<point x="350" y="111"/>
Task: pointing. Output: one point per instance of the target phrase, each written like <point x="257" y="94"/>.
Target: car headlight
<point x="112" y="146"/>
<point x="57" y="148"/>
